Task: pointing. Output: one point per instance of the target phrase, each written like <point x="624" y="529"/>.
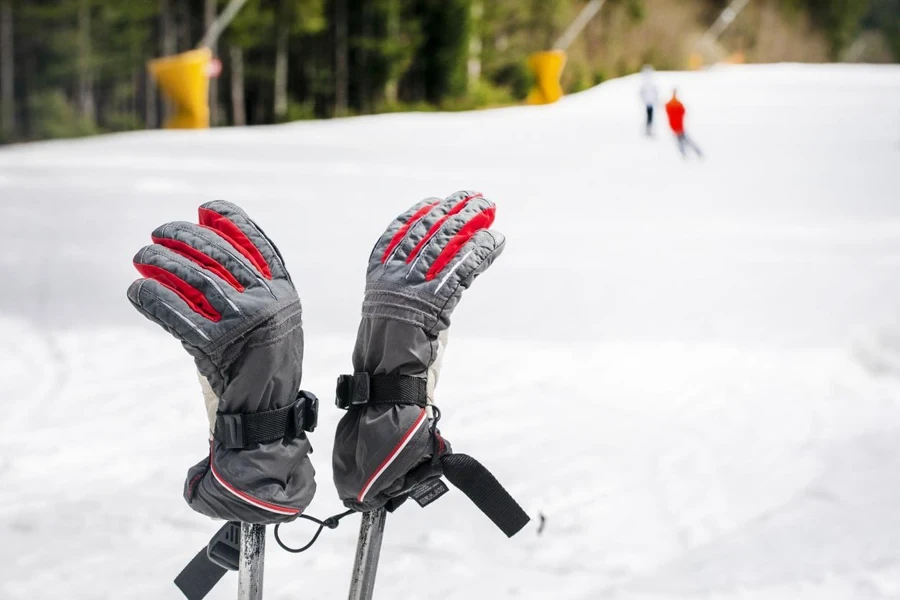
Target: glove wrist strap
<point x="240" y="430"/>
<point x="362" y="389"/>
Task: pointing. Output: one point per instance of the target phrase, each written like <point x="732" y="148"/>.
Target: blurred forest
<point x="77" y="67"/>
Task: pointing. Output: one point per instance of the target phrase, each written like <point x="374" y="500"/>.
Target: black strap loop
<point x="331" y="523"/>
<point x="199" y="577"/>
<point x="361" y="389"/>
<point x="238" y="430"/>
<point x="485" y="491"/>
<point x="218" y="557"/>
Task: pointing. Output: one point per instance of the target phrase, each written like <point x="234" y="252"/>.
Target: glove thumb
<point x="211" y="401"/>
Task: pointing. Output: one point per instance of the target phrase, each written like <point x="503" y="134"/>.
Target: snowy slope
<point x="689" y="367"/>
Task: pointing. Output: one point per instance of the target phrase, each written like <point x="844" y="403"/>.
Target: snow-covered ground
<point x="691" y="368"/>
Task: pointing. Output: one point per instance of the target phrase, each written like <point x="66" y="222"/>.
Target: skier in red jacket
<point x="675" y="111"/>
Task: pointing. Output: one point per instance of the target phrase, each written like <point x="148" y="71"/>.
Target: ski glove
<point x="221" y="288"/>
<point x="388" y="444"/>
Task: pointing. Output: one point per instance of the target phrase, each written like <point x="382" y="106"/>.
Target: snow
<point x="690" y="368"/>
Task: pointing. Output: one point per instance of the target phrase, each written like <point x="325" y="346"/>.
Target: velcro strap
<point x="199" y="577"/>
<point x="361" y="389"/>
<point x="211" y="563"/>
<point x="485" y="491"/>
<point x="237" y="430"/>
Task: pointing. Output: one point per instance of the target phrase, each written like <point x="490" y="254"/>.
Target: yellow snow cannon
<point x="184" y="79"/>
<point x="547" y="68"/>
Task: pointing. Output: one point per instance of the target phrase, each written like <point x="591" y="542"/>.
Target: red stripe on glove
<point x="223" y="226"/>
<point x="390" y="457"/>
<point x="398" y="237"/>
<point x="482" y="220"/>
<point x="193" y="297"/>
<point x="434" y="228"/>
<point x="205" y="261"/>
<point x="252" y="500"/>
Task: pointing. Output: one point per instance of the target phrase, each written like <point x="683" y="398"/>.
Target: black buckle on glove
<point x="237" y="430"/>
<point x="361" y="389"/>
<point x="352" y="390"/>
<point x="306" y="412"/>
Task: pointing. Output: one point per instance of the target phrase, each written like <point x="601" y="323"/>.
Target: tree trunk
<point x="184" y="26"/>
<point x="209" y="16"/>
<point x="341" y="81"/>
<point x="474" y="67"/>
<point x="7" y="72"/>
<point x="151" y="119"/>
<point x="28" y="78"/>
<point x="85" y="76"/>
<point x="393" y="33"/>
<point x="167" y="42"/>
<point x="133" y="94"/>
<point x="280" y="105"/>
<point x="238" y="109"/>
<point x="361" y="77"/>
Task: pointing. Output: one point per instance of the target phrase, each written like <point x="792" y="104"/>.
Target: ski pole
<point x="252" y="561"/>
<point x="368" y="549"/>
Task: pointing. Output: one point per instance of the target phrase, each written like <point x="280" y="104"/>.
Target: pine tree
<point x="7" y="73"/>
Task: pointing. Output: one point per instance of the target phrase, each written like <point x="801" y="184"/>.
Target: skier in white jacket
<point x="649" y="96"/>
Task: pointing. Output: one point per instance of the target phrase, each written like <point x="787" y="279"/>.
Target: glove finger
<point x="210" y="250"/>
<point x="438" y="249"/>
<point x="470" y="261"/>
<point x="398" y="230"/>
<point x="169" y="310"/>
<point x="232" y="223"/>
<point x="202" y="288"/>
<point x="421" y="232"/>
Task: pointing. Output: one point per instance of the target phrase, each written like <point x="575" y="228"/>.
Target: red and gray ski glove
<point x="221" y="288"/>
<point x="387" y="447"/>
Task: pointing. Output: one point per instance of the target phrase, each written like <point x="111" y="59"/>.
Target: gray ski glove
<point x="387" y="447"/>
<point x="221" y="288"/>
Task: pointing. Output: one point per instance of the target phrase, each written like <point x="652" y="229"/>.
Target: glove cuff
<point x="270" y="483"/>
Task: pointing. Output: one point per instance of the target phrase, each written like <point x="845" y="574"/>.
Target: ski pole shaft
<point x="252" y="560"/>
<point x="368" y="549"/>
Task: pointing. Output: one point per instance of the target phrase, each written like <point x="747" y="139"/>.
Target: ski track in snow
<point x="691" y="369"/>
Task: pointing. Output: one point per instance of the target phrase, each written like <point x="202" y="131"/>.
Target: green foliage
<point x="578" y="78"/>
<point x="306" y="16"/>
<point x="485" y="95"/>
<point x="515" y="77"/>
<point x="395" y="107"/>
<point x="443" y="54"/>
<point x="636" y="10"/>
<point x="252" y="27"/>
<point x="884" y="15"/>
<point x="54" y="117"/>
<point x="840" y="18"/>
<point x="300" y="111"/>
<point x="122" y="121"/>
<point x="660" y="60"/>
<point x="547" y="20"/>
<point x="80" y="65"/>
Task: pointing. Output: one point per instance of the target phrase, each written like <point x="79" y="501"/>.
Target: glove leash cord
<point x="331" y="523"/>
<point x="252" y="561"/>
<point x="368" y="549"/>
